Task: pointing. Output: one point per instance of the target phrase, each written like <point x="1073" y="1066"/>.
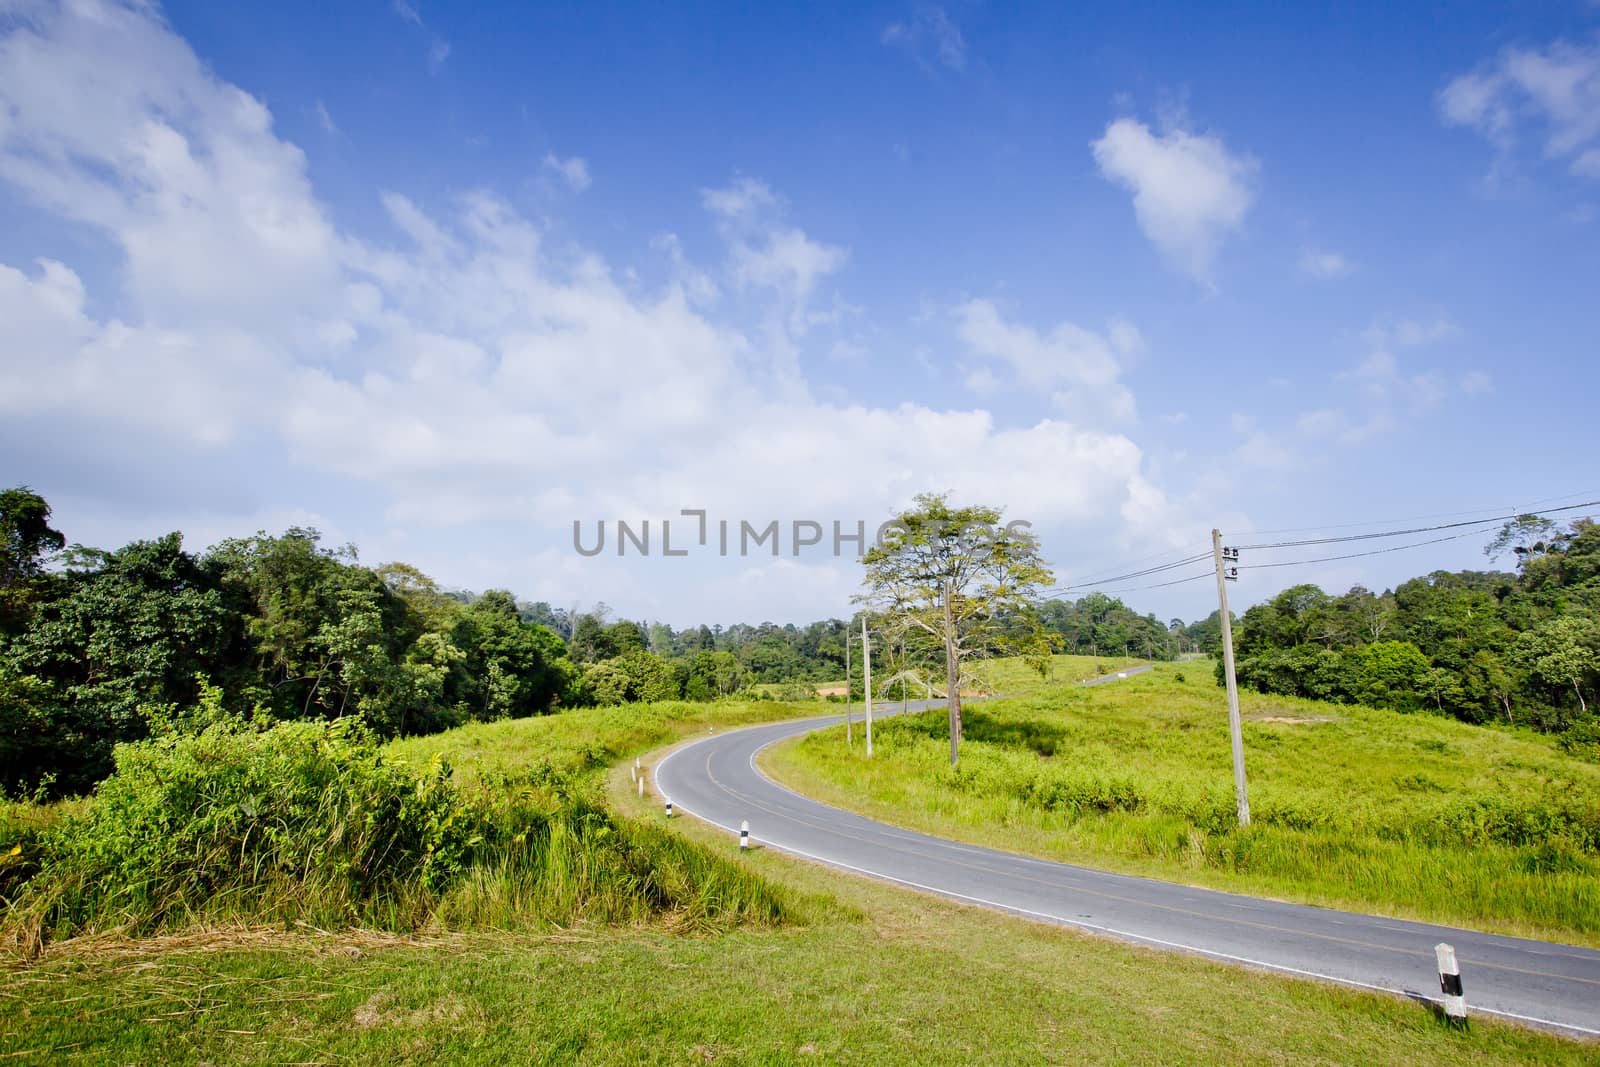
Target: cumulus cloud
<point x="456" y="369"/>
<point x="1551" y="94"/>
<point x="1189" y="191"/>
<point x="930" y="36"/>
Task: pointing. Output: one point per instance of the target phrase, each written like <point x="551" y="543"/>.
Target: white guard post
<point x="1455" y="1003"/>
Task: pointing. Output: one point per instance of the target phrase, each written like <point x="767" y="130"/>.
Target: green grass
<point x="581" y="742"/>
<point x="895" y="978"/>
<point x="1014" y="677"/>
<point x="872" y="974"/>
<point x="1408" y="815"/>
<point x="312" y="823"/>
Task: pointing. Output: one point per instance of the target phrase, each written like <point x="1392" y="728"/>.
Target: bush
<point x="303" y="820"/>
<point x="311" y="822"/>
<point x="1581" y="739"/>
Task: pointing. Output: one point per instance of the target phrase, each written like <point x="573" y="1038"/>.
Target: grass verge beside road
<point x="867" y="974"/>
<point x="1408" y="815"/>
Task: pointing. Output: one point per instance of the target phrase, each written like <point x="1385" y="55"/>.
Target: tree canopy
<point x="955" y="577"/>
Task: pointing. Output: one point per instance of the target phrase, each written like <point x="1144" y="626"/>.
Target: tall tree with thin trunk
<point x="966" y="582"/>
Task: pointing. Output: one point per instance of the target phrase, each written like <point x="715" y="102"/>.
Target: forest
<point x="102" y="646"/>
<point x="1481" y="646"/>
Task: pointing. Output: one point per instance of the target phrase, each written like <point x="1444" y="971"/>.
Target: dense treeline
<point x="1477" y="645"/>
<point x="99" y="647"/>
<point x="1097" y="624"/>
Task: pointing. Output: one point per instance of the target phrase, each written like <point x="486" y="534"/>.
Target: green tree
<point x="27" y="541"/>
<point x="591" y="641"/>
<point x="508" y="668"/>
<point x="961" y="578"/>
<point x="125" y="629"/>
<point x="1562" y="655"/>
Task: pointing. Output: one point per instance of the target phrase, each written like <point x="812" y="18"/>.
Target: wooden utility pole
<point x="866" y="674"/>
<point x="952" y="673"/>
<point x="849" y="721"/>
<point x="1240" y="792"/>
<point x="902" y="672"/>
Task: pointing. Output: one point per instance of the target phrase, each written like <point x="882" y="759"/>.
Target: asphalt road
<point x="1540" y="983"/>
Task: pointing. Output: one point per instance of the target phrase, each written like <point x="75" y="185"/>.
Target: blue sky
<point x="441" y="280"/>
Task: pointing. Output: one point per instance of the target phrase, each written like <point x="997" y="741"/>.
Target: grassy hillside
<point x="311" y="823"/>
<point x="890" y="978"/>
<point x="1409" y="815"/>
<point x="862" y="973"/>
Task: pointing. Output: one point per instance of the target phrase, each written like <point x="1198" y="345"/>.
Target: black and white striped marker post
<point x="669" y="809"/>
<point x="744" y="836"/>
<point x="1455" y="1003"/>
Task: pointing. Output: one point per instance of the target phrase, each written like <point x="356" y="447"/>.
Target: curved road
<point x="1540" y="983"/>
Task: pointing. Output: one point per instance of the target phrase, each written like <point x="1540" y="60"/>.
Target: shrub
<point x="311" y="822"/>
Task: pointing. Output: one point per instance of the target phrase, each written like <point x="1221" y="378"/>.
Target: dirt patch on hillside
<point x="1292" y="720"/>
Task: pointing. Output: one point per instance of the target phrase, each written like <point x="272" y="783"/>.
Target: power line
<point x="1524" y="510"/>
<point x="1160" y="585"/>
<point x="1414" y="530"/>
<point x="1469" y="527"/>
<point x="1356" y="555"/>
<point x="1072" y="587"/>
<point x="1133" y="562"/>
<point x="1144" y="573"/>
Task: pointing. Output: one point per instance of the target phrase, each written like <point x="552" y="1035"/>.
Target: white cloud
<point x="929" y="35"/>
<point x="1189" y="191"/>
<point x="438" y="47"/>
<point x="1320" y="263"/>
<point x="324" y="119"/>
<point x="1380" y="373"/>
<point x="573" y="171"/>
<point x="1262" y="451"/>
<point x="1334" y="424"/>
<point x="1387" y="388"/>
<point x="407" y="11"/>
<point x="765" y="252"/>
<point x="463" y="373"/>
<point x="1078" y="368"/>
<point x="1550" y="93"/>
<point x="1476" y="382"/>
<point x="1411" y="333"/>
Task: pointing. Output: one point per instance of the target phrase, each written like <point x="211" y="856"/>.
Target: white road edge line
<point x="1079" y="923"/>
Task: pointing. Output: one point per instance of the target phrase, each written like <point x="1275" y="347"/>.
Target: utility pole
<point x="866" y="669"/>
<point x="849" y="722"/>
<point x="952" y="673"/>
<point x="902" y="672"/>
<point x="1224" y="576"/>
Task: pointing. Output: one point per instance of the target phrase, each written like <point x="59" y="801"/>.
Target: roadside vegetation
<point x="1405" y="814"/>
<point x="873" y="975"/>
<point x="264" y="802"/>
<point x="234" y="823"/>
